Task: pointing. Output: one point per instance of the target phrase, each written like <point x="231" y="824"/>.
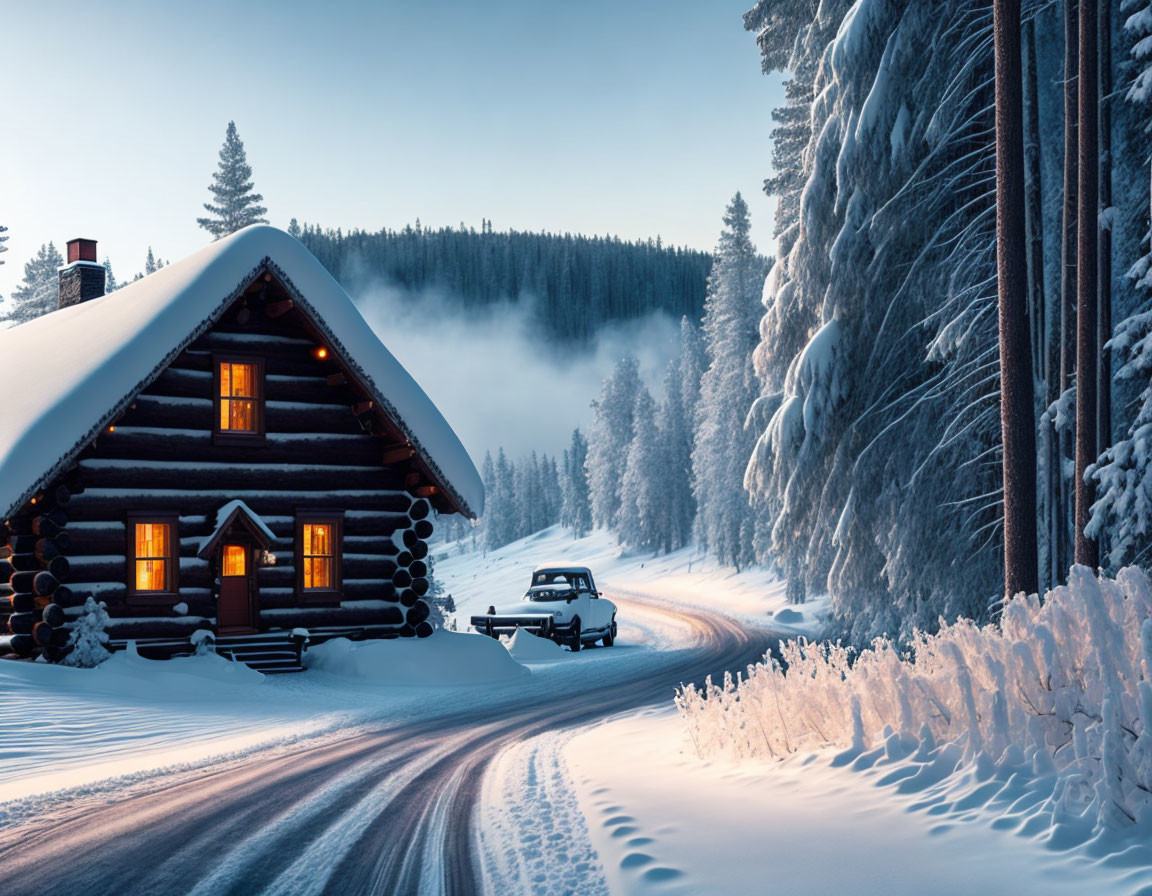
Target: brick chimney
<point x="83" y="277"/>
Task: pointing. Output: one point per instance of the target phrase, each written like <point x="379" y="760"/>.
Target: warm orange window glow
<point x="153" y="554"/>
<point x="237" y="397"/>
<point x="319" y="555"/>
<point x="235" y="560"/>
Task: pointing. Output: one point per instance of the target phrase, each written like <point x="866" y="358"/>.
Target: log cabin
<point x="222" y="446"/>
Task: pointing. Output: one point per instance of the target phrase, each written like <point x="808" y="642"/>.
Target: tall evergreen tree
<point x="692" y="361"/>
<point x="552" y="490"/>
<point x="676" y="461"/>
<point x="728" y="389"/>
<point x="1087" y="233"/>
<point x="1017" y="423"/>
<point x="110" y="282"/>
<point x="491" y="486"/>
<point x="39" y="293"/>
<point x="643" y="504"/>
<point x="234" y="203"/>
<point x="1062" y="525"/>
<point x="576" y="513"/>
<point x="612" y="431"/>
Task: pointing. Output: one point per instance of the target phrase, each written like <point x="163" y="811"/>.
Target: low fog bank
<point x="496" y="377"/>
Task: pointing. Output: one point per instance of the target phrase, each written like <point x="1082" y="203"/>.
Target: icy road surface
<point x="389" y="808"/>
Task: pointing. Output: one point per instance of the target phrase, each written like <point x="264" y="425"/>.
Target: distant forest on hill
<point x="578" y="283"/>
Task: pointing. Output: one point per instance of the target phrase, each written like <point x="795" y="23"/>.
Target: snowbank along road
<point x="385" y="810"/>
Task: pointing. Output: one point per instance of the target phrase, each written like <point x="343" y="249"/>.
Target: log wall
<point x="321" y="449"/>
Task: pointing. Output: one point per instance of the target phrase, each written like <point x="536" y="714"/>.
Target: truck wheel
<point x="610" y="637"/>
<point x="574" y="642"/>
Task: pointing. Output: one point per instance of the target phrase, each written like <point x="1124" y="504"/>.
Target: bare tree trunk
<point x="1039" y="311"/>
<point x="1104" y="274"/>
<point x="1033" y="221"/>
<point x="1087" y="231"/>
<point x="1017" y="421"/>
<point x="1063" y="518"/>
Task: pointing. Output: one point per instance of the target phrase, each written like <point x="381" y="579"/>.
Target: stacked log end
<point x="35" y="564"/>
<point x="411" y="577"/>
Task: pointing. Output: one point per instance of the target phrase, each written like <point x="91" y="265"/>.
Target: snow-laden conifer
<point x="643" y="515"/>
<point x="576" y="503"/>
<point x="1123" y="473"/>
<point x="39" y="292"/>
<point x="612" y="431"/>
<point x="110" y="282"/>
<point x="675" y="465"/>
<point x="89" y="638"/>
<point x="729" y="387"/>
<point x="234" y="203"/>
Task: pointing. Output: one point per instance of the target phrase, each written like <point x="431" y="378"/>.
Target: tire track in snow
<point x="382" y="811"/>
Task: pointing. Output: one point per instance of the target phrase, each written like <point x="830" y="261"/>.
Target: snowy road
<point x="388" y="810"/>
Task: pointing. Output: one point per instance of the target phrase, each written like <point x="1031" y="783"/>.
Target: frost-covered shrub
<point x="1067" y="682"/>
<point x="89" y="637"/>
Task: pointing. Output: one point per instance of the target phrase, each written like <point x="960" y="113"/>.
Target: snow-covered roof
<point x="561" y="567"/>
<point x="76" y="369"/>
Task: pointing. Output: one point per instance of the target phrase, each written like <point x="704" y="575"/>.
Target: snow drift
<point x="1062" y="687"/>
<point x="446" y="658"/>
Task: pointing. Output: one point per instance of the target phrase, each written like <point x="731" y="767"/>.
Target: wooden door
<point x="234" y="612"/>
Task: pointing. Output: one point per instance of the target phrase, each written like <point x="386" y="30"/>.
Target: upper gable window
<point x="239" y="396"/>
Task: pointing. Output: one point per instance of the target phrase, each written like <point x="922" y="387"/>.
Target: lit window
<point x="235" y="560"/>
<point x="153" y="556"/>
<point x="239" y="397"/>
<point x="319" y="556"/>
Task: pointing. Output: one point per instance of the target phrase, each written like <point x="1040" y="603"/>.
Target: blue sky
<point x="635" y="118"/>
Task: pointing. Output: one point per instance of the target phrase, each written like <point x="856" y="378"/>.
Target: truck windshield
<point x="550" y="593"/>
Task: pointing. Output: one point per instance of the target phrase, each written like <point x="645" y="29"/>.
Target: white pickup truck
<point x="561" y="603"/>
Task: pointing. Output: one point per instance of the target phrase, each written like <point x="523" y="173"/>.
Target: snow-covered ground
<point x="662" y="821"/>
<point x="64" y="728"/>
<point x="629" y="807"/>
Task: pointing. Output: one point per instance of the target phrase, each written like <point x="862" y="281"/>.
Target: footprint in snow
<point x="661" y="874"/>
<point x="635" y="860"/>
<point x="618" y="819"/>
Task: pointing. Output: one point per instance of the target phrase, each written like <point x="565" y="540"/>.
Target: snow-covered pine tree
<point x="692" y="361"/>
<point x="721" y="445"/>
<point x="576" y="506"/>
<point x="1124" y="471"/>
<point x="676" y="462"/>
<point x="488" y="476"/>
<point x="151" y="263"/>
<point x="504" y="510"/>
<point x="1017" y="399"/>
<point x="612" y="432"/>
<point x="642" y="523"/>
<point x="234" y="204"/>
<point x="553" y="493"/>
<point x="880" y="467"/>
<point x="39" y="293"/>
<point x="110" y="284"/>
<point x="89" y="638"/>
<point x="294" y="229"/>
